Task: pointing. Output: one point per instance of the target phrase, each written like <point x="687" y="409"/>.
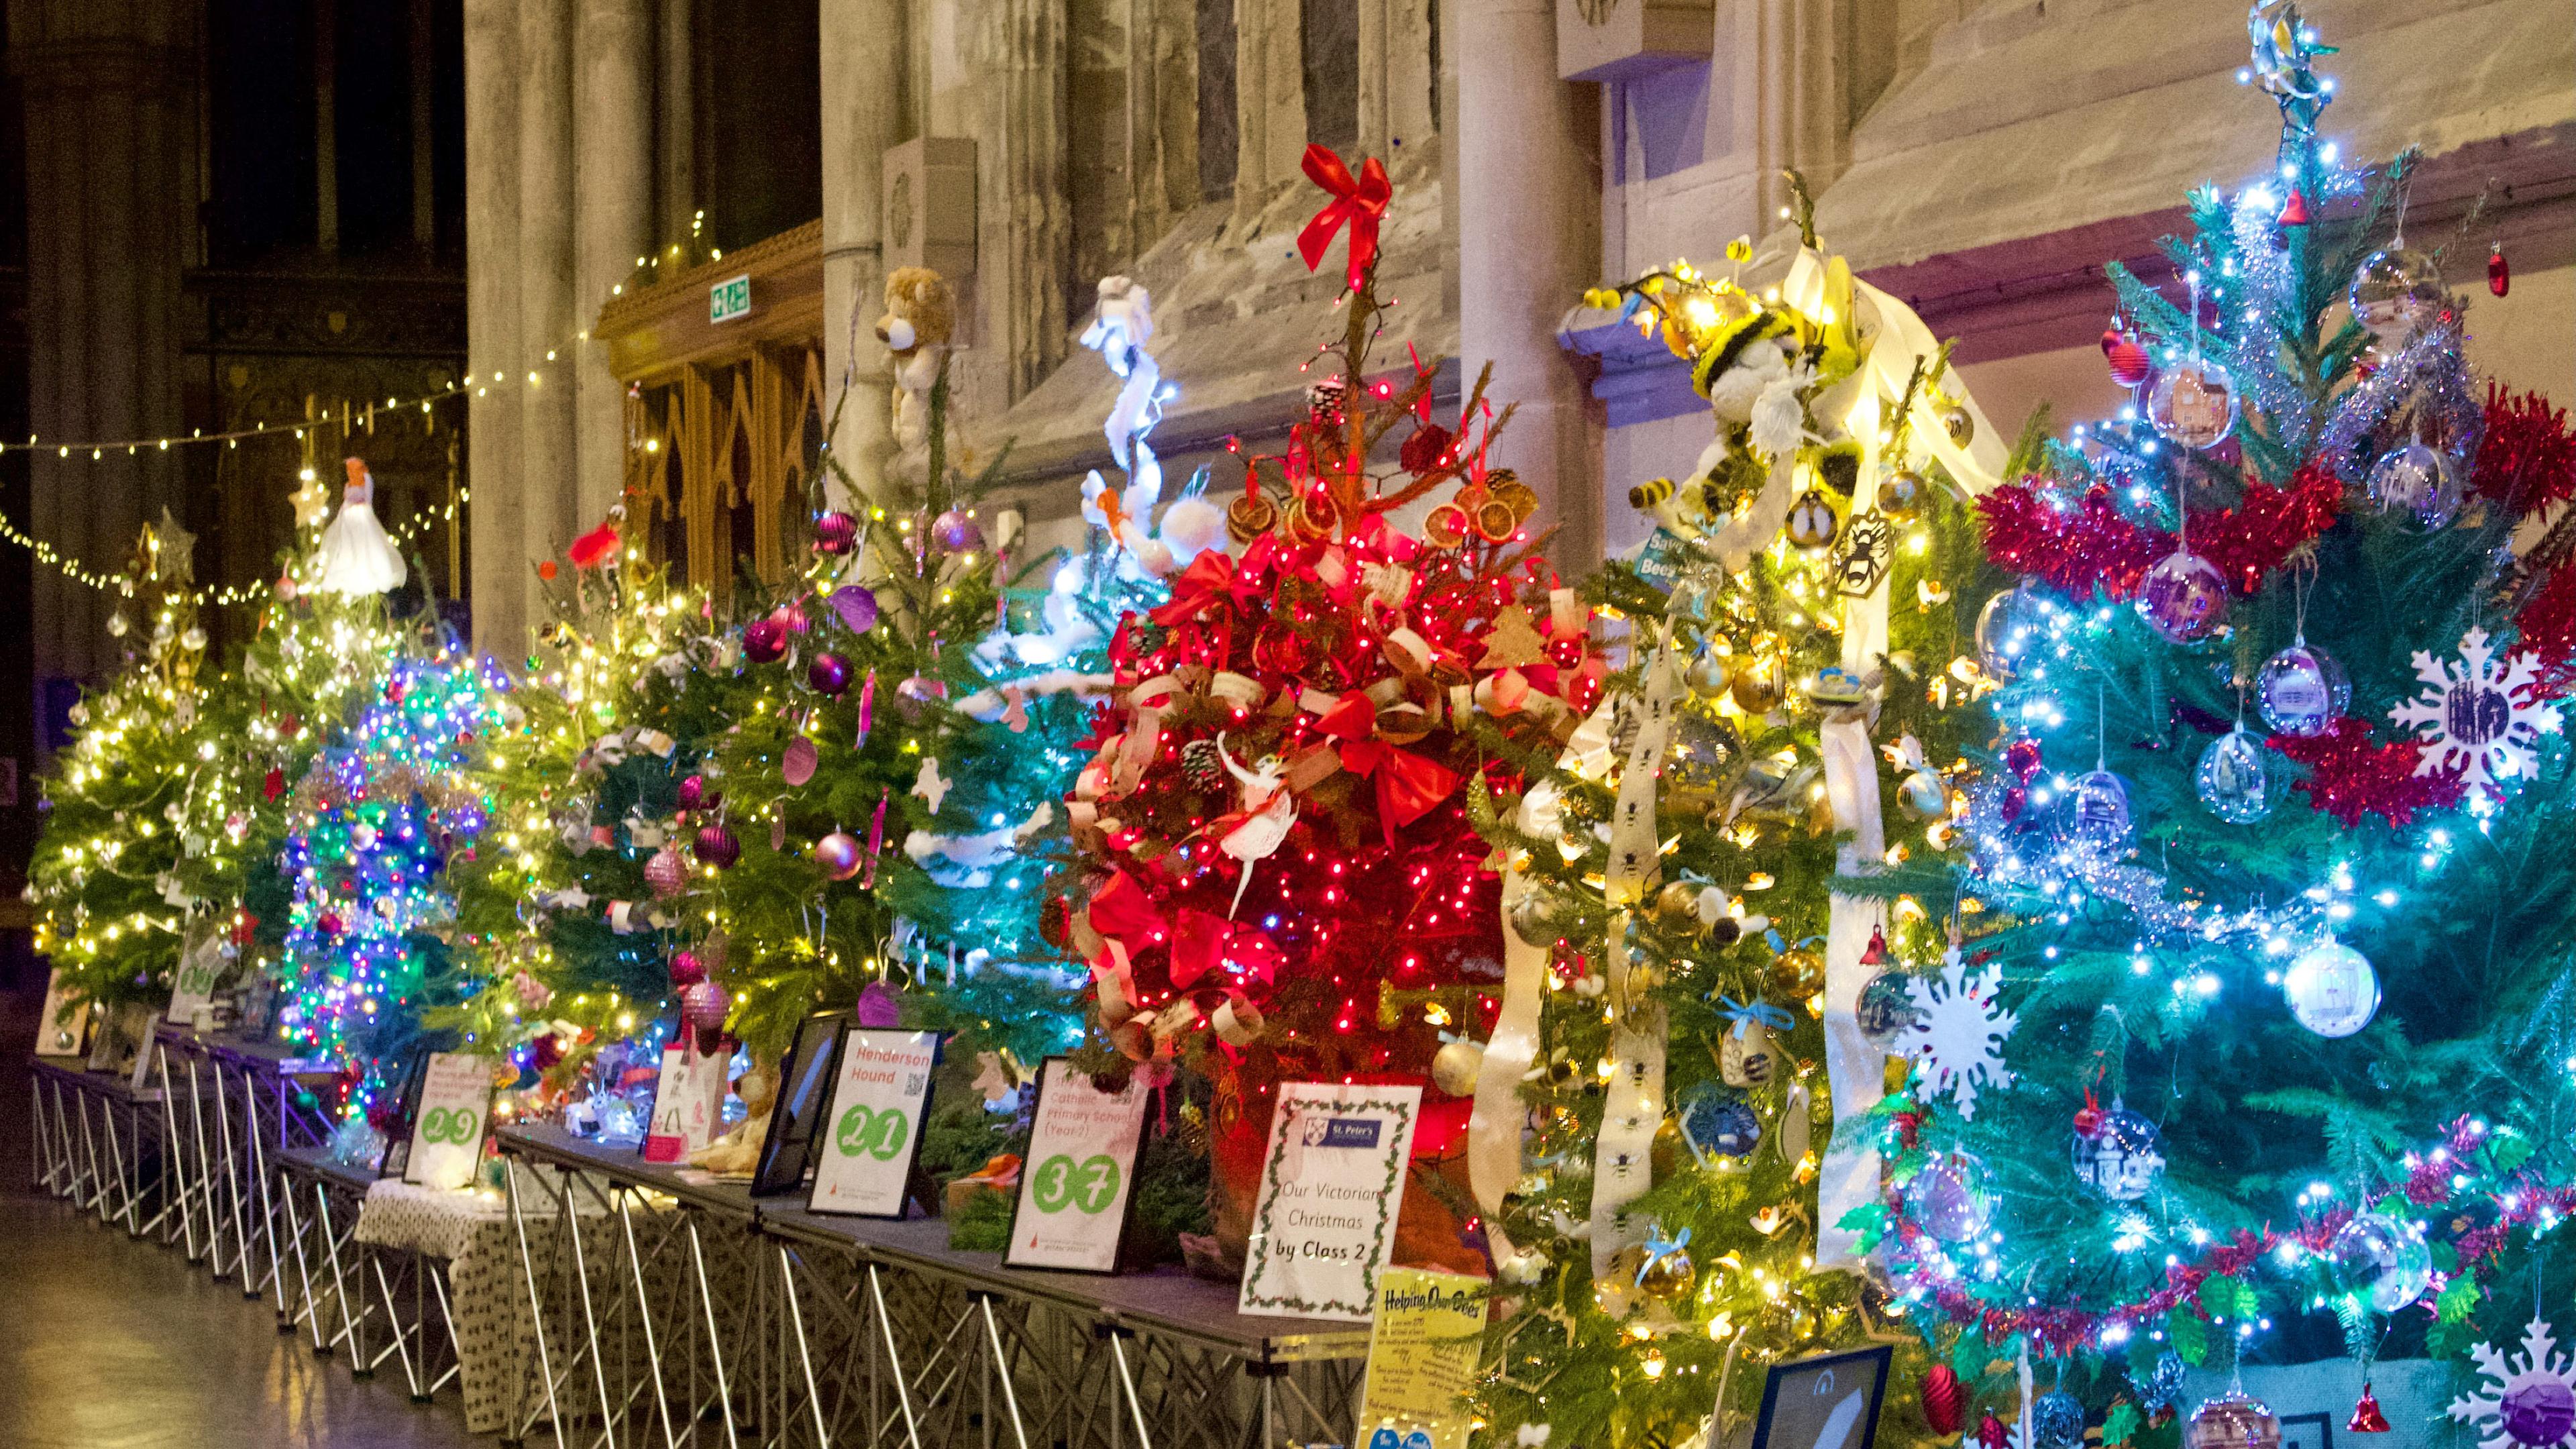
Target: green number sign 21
<point x="880" y="1135"/>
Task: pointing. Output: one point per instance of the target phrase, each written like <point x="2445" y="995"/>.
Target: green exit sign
<point x="730" y="300"/>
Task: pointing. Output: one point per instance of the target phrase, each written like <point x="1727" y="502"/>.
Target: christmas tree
<point x="1678" y="1014"/>
<point x="2259" y="1041"/>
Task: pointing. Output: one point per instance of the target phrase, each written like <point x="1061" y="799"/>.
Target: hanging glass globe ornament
<point x="2417" y="480"/>
<point x="1885" y="1009"/>
<point x="2332" y="989"/>
<point x="1707" y="674"/>
<point x="2122" y="1157"/>
<point x="2184" y="597"/>
<point x="2057" y="1421"/>
<point x="2235" y="778"/>
<point x="2010" y="625"/>
<point x="2301" y="690"/>
<point x="1948" y="1198"/>
<point x="2093" y="815"/>
<point x="2396" y="292"/>
<point x="2382" y="1261"/>
<point x="2193" y="402"/>
<point x="2233" y="1420"/>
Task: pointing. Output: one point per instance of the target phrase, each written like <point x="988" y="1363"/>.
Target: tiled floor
<point x="107" y="1343"/>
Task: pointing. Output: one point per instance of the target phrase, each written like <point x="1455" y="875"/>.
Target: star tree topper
<point x="1958" y="1032"/>
<point x="2478" y="714"/>
<point x="2531" y="1405"/>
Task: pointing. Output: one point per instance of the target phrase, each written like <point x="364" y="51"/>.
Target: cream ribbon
<point x="1633" y="1099"/>
<point x="1894" y="340"/>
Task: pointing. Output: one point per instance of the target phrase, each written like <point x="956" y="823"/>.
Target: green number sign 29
<point x="444" y="1124"/>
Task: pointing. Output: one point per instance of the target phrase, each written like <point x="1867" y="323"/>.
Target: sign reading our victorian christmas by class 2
<point x="730" y="299"/>
<point x="1324" y="1226"/>
<point x="1080" y="1173"/>
<point x="872" y="1133"/>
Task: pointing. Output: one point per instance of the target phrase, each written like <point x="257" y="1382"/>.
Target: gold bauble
<point x="1677" y="906"/>
<point x="1900" y="494"/>
<point x="1529" y="919"/>
<point x="1760" y="683"/>
<point x="1812" y="521"/>
<point x="1959" y="423"/>
<point x="1669" y="1152"/>
<point x="1454" y="1067"/>
<point x="1670" y="1278"/>
<point x="1707" y="674"/>
<point x="1798" y="973"/>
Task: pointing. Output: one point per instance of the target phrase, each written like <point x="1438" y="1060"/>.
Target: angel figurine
<point x="357" y="557"/>
<point x="1268" y="809"/>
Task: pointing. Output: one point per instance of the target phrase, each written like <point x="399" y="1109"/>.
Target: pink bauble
<point x="666" y="873"/>
<point x="838" y="855"/>
<point x="717" y="847"/>
<point x="829" y="674"/>
<point x="957" y="531"/>
<point x="834" y="532"/>
<point x="694" y="794"/>
<point x="703" y="1004"/>
<point x="686" y="970"/>
<point x="764" y="641"/>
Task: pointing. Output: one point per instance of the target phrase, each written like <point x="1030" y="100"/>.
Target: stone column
<point x="863" y="71"/>
<point x="548" y="315"/>
<point x="1395" y="76"/>
<point x="1528" y="203"/>
<point x="613" y="179"/>
<point x="1269" y="99"/>
<point x="110" y="129"/>
<point x="501" y="560"/>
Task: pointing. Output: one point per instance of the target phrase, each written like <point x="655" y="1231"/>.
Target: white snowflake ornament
<point x="1958" y="1032"/>
<point x="2478" y="714"/>
<point x="2529" y="1404"/>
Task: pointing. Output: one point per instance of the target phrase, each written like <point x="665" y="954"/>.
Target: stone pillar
<point x="863" y="71"/>
<point x="501" y="557"/>
<point x="613" y="130"/>
<point x="110" y="129"/>
<point x="1528" y="204"/>
<point x="1269" y="99"/>
<point x="1395" y="77"/>
<point x="548" y="315"/>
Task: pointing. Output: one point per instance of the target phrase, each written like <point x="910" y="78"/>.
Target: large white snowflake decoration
<point x="2478" y="713"/>
<point x="1958" y="1032"/>
<point x="2529" y="1403"/>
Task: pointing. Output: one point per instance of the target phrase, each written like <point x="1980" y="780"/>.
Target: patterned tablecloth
<point x="470" y="1230"/>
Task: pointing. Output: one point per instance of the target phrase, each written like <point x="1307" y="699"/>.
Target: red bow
<point x="1408" y="786"/>
<point x="1122" y="911"/>
<point x="1205" y="941"/>
<point x="594" y="548"/>
<point x="1361" y="202"/>
<point x="1209" y="578"/>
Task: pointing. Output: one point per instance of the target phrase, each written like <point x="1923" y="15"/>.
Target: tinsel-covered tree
<point x="1683" y="960"/>
<point x="2259" y="1040"/>
<point x="371" y="827"/>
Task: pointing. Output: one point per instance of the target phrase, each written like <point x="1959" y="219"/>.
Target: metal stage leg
<point x="715" y="1340"/>
<point x="185" y="1200"/>
<point x="644" y="1316"/>
<point x="401" y="1331"/>
<point x="275" y="1277"/>
<point x="894" y="1359"/>
<point x="804" y="1357"/>
<point x="536" y="1303"/>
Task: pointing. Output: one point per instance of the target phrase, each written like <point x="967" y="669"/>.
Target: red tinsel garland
<point x="2547" y="625"/>
<point x="2528" y="458"/>
<point x="2351" y="775"/>
<point x="2095" y="549"/>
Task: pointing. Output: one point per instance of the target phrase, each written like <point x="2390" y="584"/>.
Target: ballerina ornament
<point x="357" y="557"/>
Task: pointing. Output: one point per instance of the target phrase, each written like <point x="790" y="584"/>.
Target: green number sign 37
<point x="1087" y="1187"/>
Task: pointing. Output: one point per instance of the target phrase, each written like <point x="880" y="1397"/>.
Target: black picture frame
<point x="395" y="1159"/>
<point x="1123" y="1258"/>
<point x="1792" y="1416"/>
<point x="915" y="1196"/>
<point x="805" y="1079"/>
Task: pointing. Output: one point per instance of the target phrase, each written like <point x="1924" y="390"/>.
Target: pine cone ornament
<point x="1203" y="765"/>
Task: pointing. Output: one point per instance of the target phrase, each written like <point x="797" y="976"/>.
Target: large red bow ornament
<point x="1359" y="201"/>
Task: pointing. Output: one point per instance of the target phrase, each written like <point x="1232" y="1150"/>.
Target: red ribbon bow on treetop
<point x="1361" y="201"/>
<point x="594" y="548"/>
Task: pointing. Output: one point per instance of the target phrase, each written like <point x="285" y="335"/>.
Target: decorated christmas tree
<point x="1285" y="882"/>
<point x="1684" y="973"/>
<point x="2258" y="1044"/>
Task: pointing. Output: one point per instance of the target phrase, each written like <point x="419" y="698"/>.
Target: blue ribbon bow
<point x="1659" y="1247"/>
<point x="1760" y="1012"/>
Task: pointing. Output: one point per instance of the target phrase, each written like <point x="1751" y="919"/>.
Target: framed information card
<point x="871" y="1135"/>
<point x="1323" y="1227"/>
<point x="447" y="1129"/>
<point x="1079" y="1174"/>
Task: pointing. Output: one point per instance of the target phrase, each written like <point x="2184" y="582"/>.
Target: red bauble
<point x="2499" y="272"/>
<point x="686" y="970"/>
<point x="328" y="923"/>
<point x="545" y="1051"/>
<point x="838" y="855"/>
<point x="2128" y="361"/>
<point x="2088" y="1119"/>
<point x="2366" y="1417"/>
<point x="2022" y="757"/>
<point x="828" y="675"/>
<point x="835" y="532"/>
<point x="1990" y="1431"/>
<point x="717" y="847"/>
<point x="1426" y="449"/>
<point x="694" y="794"/>
<point x="2294" y="212"/>
<point x="1945" y="1403"/>
<point x="272" y="785"/>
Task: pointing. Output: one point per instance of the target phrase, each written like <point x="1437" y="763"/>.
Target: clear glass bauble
<point x="2193" y="403"/>
<point x="2301" y="690"/>
<point x="1885" y="1010"/>
<point x="2396" y="292"/>
<point x="2418" y="481"/>
<point x="2093" y="814"/>
<point x="2057" y="1421"/>
<point x="2382" y="1261"/>
<point x="1948" y="1198"/>
<point x="2332" y="989"/>
<point x="2235" y="777"/>
<point x="2123" y="1159"/>
<point x="2183" y="597"/>
<point x="2233" y="1420"/>
<point x="2010" y="626"/>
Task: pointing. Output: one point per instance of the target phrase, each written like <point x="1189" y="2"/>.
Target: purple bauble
<point x="2538" y="1413"/>
<point x="2184" y="597"/>
<point x="834" y="532"/>
<point x="764" y="641"/>
<point x="957" y="531"/>
<point x="666" y="873"/>
<point x="702" y="1005"/>
<point x="694" y="794"/>
<point x="829" y="674"/>
<point x="915" y="694"/>
<point x="686" y="970"/>
<point x="717" y="847"/>
<point x="838" y="855"/>
<point x="857" y="607"/>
